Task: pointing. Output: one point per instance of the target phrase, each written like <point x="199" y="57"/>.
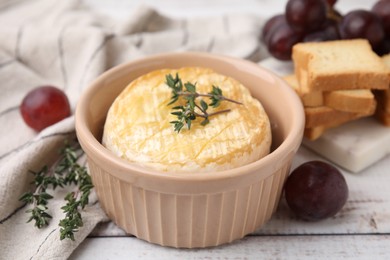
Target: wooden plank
<point x="252" y="247"/>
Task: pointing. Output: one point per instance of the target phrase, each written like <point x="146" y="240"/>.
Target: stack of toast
<point x="335" y="81"/>
<point x="382" y="112"/>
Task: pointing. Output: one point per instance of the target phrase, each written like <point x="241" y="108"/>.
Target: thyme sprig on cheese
<point x="192" y="109"/>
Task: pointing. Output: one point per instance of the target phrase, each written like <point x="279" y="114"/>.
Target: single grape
<point x="362" y="24"/>
<point x="306" y="15"/>
<point x="271" y="24"/>
<point x="383" y="48"/>
<point x="382" y="9"/>
<point x="44" y="106"/>
<point x="329" y="32"/>
<point x="316" y="190"/>
<point x="281" y="41"/>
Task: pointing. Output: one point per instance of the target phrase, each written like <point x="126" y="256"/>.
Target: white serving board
<point x="353" y="146"/>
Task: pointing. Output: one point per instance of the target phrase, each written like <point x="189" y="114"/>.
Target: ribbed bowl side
<point x="188" y="221"/>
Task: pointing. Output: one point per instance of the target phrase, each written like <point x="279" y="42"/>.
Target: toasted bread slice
<point x="383" y="97"/>
<point x="329" y="117"/>
<point x="338" y="65"/>
<point x="382" y="116"/>
<point x="356" y="101"/>
<point x="386" y="60"/>
<point x="382" y="113"/>
<point x="313" y="99"/>
<point x="314" y="133"/>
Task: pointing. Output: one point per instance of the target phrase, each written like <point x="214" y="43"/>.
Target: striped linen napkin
<point x="68" y="44"/>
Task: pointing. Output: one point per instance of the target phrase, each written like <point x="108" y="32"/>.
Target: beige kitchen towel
<point x="68" y="44"/>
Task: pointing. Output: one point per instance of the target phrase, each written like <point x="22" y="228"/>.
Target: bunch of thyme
<point x="65" y="171"/>
<point x="191" y="109"/>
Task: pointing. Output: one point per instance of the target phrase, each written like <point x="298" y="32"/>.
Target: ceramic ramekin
<point x="191" y="209"/>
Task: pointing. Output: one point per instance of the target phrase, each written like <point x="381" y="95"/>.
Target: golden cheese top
<point x="138" y="126"/>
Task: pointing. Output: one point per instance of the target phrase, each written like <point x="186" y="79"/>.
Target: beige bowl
<point x="191" y="209"/>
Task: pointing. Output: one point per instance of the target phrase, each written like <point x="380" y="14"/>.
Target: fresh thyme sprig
<point x="65" y="171"/>
<point x="191" y="109"/>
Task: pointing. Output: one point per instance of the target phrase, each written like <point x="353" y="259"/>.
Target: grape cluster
<point x="318" y="20"/>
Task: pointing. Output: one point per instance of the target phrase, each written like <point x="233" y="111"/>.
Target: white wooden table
<point x="360" y="231"/>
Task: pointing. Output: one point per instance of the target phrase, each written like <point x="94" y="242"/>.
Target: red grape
<point x="383" y="48"/>
<point x="271" y="24"/>
<point x="306" y="15"/>
<point x="328" y="33"/>
<point x="316" y="190"/>
<point x="382" y="9"/>
<point x="281" y="41"/>
<point x="44" y="106"/>
<point x="362" y="24"/>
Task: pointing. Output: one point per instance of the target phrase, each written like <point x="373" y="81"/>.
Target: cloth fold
<point x="67" y="44"/>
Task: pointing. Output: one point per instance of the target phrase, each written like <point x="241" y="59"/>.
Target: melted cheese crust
<point x="137" y="127"/>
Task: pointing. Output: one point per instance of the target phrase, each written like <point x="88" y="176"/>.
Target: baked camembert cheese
<point x="138" y="126"/>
